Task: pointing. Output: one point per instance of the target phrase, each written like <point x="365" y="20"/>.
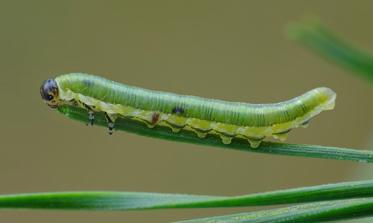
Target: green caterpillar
<point x="228" y="120"/>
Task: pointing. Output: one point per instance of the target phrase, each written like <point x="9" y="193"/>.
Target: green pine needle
<point x="313" y="212"/>
<point x="314" y="151"/>
<point x="139" y="200"/>
<point x="326" y="43"/>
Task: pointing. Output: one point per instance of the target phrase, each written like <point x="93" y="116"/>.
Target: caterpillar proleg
<point x="228" y="120"/>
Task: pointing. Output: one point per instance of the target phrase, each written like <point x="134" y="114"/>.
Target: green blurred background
<point x="233" y="50"/>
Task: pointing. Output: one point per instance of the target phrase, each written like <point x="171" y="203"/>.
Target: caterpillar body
<point x="228" y="120"/>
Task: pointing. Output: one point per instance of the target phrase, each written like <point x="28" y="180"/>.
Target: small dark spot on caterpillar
<point x="283" y="132"/>
<point x="306" y="122"/>
<point x="88" y="83"/>
<point x="73" y="102"/>
<point x="89" y="108"/>
<point x="155" y="118"/>
<point x="178" y="110"/>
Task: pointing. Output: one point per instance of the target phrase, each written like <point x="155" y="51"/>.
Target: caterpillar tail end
<point x="330" y="98"/>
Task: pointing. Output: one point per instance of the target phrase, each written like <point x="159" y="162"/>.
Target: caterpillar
<point x="227" y="120"/>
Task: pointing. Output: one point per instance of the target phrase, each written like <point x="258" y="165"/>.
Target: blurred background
<point x="232" y="50"/>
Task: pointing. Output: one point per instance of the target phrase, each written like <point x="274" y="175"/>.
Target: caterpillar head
<point x="49" y="93"/>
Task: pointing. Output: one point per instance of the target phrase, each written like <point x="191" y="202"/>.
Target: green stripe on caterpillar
<point x="228" y="120"/>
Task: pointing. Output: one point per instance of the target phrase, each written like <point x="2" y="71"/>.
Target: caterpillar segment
<point x="176" y="123"/>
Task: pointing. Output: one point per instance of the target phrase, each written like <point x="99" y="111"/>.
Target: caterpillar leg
<point x="91" y="116"/>
<point x="110" y="123"/>
<point x="255" y="142"/>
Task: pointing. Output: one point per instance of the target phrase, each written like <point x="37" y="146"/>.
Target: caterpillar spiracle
<point x="228" y="120"/>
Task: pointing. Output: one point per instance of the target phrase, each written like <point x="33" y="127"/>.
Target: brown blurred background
<point x="233" y="50"/>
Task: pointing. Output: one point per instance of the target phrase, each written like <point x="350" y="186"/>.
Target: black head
<point x="49" y="93"/>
